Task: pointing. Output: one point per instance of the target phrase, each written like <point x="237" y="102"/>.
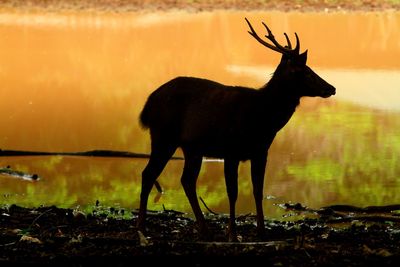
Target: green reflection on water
<point x="350" y="153"/>
<point x="328" y="154"/>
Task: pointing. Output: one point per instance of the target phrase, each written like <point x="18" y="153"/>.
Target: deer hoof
<point x="234" y="238"/>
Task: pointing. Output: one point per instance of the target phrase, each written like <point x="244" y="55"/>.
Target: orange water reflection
<point x="75" y="82"/>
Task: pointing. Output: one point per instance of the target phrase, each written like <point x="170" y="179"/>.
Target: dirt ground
<point x="336" y="236"/>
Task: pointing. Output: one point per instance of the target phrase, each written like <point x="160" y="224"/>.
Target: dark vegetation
<point x="333" y="236"/>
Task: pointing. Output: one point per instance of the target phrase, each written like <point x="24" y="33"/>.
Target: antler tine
<point x="289" y="44"/>
<point x="276" y="46"/>
<point x="271" y="37"/>
<point x="297" y="48"/>
<point x="253" y="33"/>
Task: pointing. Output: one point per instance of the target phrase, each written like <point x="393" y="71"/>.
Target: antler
<point x="278" y="48"/>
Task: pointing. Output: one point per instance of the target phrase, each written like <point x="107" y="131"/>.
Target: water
<point x="77" y="82"/>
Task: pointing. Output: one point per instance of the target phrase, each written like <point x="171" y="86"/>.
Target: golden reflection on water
<point x="75" y="82"/>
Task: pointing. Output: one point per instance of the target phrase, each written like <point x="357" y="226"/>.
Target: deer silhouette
<point x="208" y="119"/>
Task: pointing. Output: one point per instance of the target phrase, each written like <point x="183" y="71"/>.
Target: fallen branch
<point x="287" y="242"/>
<point x="364" y="218"/>
<point x="91" y="153"/>
<point x="18" y="174"/>
<point x="174" y="212"/>
<point x="369" y="209"/>
<point x="205" y="205"/>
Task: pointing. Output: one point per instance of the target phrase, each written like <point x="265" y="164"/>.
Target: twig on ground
<point x="205" y="205"/>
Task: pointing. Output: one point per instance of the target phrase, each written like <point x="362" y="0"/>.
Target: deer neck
<point x="279" y="103"/>
<point x="281" y="93"/>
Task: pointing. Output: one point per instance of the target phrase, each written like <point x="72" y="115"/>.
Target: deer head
<point x="292" y="71"/>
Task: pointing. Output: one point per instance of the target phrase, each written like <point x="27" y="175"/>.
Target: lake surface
<point x="77" y="82"/>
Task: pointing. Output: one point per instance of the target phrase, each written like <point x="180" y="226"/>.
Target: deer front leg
<point x="258" y="165"/>
<point x="231" y="181"/>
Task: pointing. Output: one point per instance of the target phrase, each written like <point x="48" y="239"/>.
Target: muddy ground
<point x="334" y="236"/>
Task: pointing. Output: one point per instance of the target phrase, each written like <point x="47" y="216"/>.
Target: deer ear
<point x="303" y="58"/>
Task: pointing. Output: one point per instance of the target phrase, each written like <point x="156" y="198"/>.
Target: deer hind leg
<point x="231" y="181"/>
<point x="160" y="155"/>
<point x="190" y="174"/>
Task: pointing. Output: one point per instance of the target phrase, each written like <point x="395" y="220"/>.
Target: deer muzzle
<point x="328" y="91"/>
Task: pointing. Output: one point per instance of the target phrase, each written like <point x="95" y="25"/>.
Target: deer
<point x="205" y="118"/>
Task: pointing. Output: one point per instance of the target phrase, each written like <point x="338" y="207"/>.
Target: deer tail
<point x="144" y="117"/>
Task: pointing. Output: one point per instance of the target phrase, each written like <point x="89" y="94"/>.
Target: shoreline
<point x="122" y="6"/>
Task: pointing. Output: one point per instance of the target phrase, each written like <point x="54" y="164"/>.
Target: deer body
<point x="208" y="119"/>
<point x="216" y="120"/>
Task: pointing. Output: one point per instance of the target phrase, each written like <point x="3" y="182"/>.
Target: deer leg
<point x="231" y="181"/>
<point x="159" y="157"/>
<point x="190" y="173"/>
<point x="258" y="165"/>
